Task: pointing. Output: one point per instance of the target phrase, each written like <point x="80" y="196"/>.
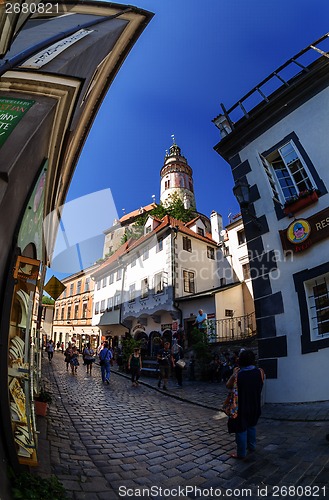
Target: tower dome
<point x="176" y="177"/>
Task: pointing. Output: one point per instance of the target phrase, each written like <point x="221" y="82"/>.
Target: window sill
<point x="300" y="204"/>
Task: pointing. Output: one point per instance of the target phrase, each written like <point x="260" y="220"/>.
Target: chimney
<point x="216" y="221"/>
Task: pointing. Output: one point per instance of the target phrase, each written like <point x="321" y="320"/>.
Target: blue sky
<point x="191" y="57"/>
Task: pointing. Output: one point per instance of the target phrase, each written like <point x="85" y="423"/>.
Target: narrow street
<point x="114" y="441"/>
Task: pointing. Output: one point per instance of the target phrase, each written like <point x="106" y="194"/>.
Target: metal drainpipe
<point x="173" y="239"/>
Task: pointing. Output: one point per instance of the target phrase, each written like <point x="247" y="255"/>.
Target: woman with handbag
<point x="249" y="382"/>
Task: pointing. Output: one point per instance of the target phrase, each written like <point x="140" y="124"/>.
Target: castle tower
<point x="176" y="177"/>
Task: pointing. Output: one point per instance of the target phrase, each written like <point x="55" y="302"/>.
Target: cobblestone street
<point x="112" y="441"/>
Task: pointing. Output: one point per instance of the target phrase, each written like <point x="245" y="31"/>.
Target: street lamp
<point x="241" y="191"/>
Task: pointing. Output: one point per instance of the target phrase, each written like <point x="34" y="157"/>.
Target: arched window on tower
<point x="167" y="184"/>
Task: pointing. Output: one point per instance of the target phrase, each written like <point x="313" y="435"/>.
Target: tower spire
<point x="176" y="177"/>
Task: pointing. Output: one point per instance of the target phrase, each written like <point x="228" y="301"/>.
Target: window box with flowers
<point x="301" y="201"/>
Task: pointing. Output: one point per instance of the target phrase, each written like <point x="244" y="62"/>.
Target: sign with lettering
<point x="54" y="287"/>
<point x="301" y="234"/>
<point x="11" y="112"/>
<point x="47" y="55"/>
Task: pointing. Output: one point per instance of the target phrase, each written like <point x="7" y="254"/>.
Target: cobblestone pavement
<point x="115" y="441"/>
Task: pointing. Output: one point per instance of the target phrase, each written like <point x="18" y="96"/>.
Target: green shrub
<point x="28" y="486"/>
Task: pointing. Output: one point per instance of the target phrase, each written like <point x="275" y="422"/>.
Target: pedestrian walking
<point x="62" y="347"/>
<point x="50" y="350"/>
<point x="135" y="366"/>
<point x="74" y="360"/>
<point x="165" y="361"/>
<point x="249" y="384"/>
<point x="177" y="354"/>
<point x="67" y="355"/>
<point x="88" y="357"/>
<point x="105" y="357"/>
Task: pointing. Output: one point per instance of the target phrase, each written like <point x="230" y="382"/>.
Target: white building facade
<point x="279" y="151"/>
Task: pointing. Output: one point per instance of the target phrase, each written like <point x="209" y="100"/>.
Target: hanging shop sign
<point x="301" y="234"/>
<point x="139" y="327"/>
<point x="11" y="112"/>
<point x="166" y="326"/>
<point x="26" y="269"/>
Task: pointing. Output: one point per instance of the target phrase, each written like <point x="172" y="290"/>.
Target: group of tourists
<point x="104" y="354"/>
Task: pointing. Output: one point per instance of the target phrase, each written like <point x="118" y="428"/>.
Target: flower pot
<point x="301" y="203"/>
<point x="40" y="408"/>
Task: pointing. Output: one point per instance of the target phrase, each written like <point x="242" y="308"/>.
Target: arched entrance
<point x="143" y="338"/>
<point x="155" y="342"/>
<point x="167" y="336"/>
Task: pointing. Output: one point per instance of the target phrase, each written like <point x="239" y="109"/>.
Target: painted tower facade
<point x="176" y="178"/>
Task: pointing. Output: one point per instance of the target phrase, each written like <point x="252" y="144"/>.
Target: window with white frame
<point x="246" y="271"/>
<point x="87" y="284"/>
<point x="317" y="293"/>
<point x="159" y="247"/>
<point x="158" y="283"/>
<point x="71" y="289"/>
<point x="119" y="274"/>
<point x="62" y="313"/>
<point x="76" y="311"/>
<point x="111" y="278"/>
<point x="241" y="236"/>
<point x="117" y="300"/>
<point x="98" y="285"/>
<point x="102" y="309"/>
<point x="188" y="278"/>
<point x="144" y="288"/>
<point x="287" y="172"/>
<point x="104" y="282"/>
<point x="79" y="286"/>
<point x="133" y="263"/>
<point x="132" y="292"/>
<point x="145" y="253"/>
<point x="97" y="308"/>
<point x="109" y="305"/>
<point x="69" y="312"/>
<point x="84" y="310"/>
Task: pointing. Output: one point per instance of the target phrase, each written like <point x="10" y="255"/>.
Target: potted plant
<point x="41" y="402"/>
<point x="300" y="201"/>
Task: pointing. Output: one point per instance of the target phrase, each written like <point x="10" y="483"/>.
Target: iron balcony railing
<point x="231" y="329"/>
<point x="283" y="77"/>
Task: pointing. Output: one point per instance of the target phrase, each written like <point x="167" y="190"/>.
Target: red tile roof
<point x="166" y="221"/>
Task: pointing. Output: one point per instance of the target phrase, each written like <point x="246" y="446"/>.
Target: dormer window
<point x="200" y="231"/>
<point x="148" y="229"/>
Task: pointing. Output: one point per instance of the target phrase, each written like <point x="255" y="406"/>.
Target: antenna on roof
<point x="153" y="198"/>
<point x="124" y="211"/>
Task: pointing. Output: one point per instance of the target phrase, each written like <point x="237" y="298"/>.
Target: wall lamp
<point x="241" y="191"/>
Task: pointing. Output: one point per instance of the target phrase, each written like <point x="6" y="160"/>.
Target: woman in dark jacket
<point x="250" y="383"/>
